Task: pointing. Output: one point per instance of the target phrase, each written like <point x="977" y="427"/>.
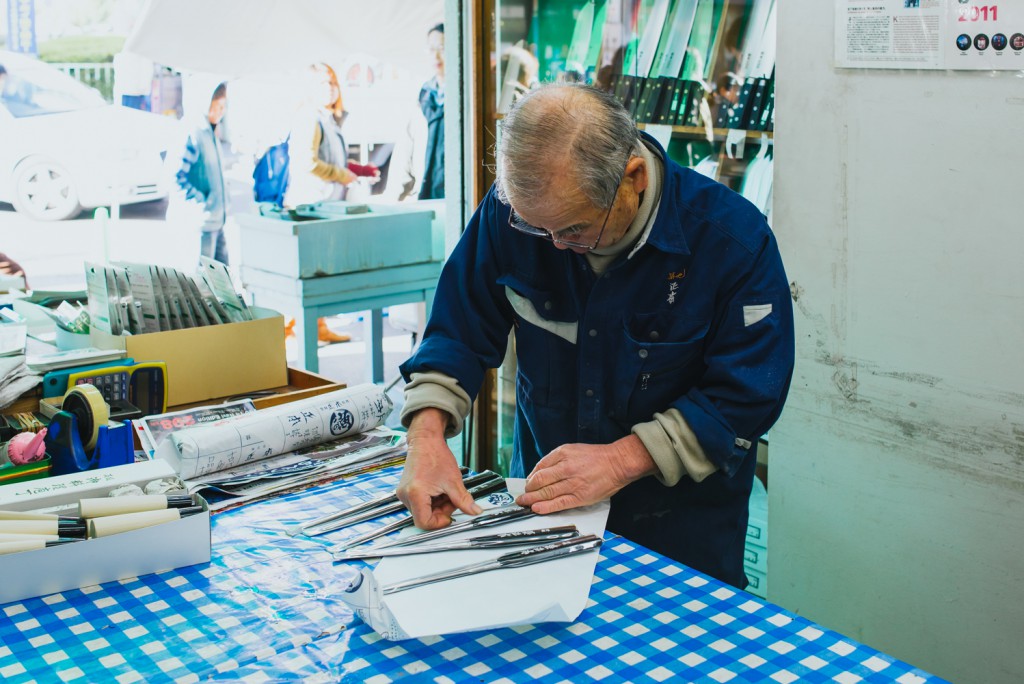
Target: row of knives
<point x="543" y="544"/>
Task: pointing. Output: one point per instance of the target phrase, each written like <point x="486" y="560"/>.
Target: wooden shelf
<point x="718" y="133"/>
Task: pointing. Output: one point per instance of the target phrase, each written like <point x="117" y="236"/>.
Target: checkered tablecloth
<point x="266" y="609"/>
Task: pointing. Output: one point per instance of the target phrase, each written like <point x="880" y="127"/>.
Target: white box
<point x="107" y="559"/>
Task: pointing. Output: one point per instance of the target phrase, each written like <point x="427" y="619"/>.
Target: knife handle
<point x="540" y="554"/>
<point x="564" y="529"/>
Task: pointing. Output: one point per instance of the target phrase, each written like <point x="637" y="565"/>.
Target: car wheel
<point x="44" y="190"/>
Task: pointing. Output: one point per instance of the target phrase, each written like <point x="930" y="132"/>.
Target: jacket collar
<point x="667" y="232"/>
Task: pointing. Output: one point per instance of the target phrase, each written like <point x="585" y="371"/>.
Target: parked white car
<point x="63" y="148"/>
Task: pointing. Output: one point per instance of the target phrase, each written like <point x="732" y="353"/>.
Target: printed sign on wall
<point x="930" y="34"/>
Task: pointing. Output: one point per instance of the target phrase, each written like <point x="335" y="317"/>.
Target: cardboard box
<point x="301" y="385"/>
<point x="212" y="361"/>
<point x="107" y="559"/>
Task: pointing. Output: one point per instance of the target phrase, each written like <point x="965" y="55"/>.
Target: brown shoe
<point x="325" y="334"/>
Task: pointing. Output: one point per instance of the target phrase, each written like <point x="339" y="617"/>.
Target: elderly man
<point x="653" y="334"/>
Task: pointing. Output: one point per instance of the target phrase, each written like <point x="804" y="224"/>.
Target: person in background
<point x="432" y="105"/>
<point x="133" y="81"/>
<point x="405" y="168"/>
<point x="653" y="334"/>
<point x="319" y="169"/>
<point x="201" y="197"/>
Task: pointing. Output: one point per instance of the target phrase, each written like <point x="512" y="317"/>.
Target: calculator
<point x="143" y="384"/>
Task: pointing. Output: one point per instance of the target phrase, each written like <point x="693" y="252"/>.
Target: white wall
<point x="896" y="475"/>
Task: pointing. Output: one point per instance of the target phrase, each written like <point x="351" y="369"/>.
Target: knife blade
<point x="384" y="505"/>
<point x="515" y="559"/>
<point x="488" y="541"/>
<point x="493" y="485"/>
<point x="490" y="519"/>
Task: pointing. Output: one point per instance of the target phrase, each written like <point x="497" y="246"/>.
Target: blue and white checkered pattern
<point x="266" y="609"/>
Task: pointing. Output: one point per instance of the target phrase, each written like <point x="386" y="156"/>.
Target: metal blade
<point x="490" y="541"/>
<point x="369" y="509"/>
<point x="538" y="554"/>
<point x="499" y="517"/>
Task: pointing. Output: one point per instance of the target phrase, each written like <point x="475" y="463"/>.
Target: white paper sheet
<point x="547" y="592"/>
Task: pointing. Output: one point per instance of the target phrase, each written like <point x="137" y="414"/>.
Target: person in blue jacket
<point x="653" y="334"/>
<point x="432" y="106"/>
<point x="201" y="196"/>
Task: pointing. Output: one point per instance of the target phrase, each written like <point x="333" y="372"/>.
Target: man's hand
<point x="576" y="475"/>
<point x="431" y="485"/>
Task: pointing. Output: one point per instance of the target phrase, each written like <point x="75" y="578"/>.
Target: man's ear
<point x="636" y="174"/>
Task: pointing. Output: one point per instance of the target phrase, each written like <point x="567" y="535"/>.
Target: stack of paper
<point x="44" y="363"/>
<point x="15" y="379"/>
<point x="377" y="448"/>
<point x="12" y="338"/>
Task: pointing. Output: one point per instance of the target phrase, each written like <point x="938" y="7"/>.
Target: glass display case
<point x="698" y="75"/>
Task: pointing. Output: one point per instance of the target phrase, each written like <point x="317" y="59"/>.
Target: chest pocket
<point x="545" y="335"/>
<point x="662" y="359"/>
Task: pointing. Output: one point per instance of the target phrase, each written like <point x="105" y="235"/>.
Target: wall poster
<point x="930" y="34"/>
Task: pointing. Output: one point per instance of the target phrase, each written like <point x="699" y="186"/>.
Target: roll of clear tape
<point x="86" y="403"/>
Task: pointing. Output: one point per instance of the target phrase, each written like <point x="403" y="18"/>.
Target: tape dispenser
<point x="80" y="436"/>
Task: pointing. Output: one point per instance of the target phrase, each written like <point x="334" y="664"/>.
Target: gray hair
<point x="588" y="126"/>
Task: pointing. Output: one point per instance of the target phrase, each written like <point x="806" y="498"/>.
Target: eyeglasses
<point x="567" y="236"/>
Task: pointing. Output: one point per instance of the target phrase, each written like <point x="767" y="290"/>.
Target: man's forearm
<point x="429" y="423"/>
<point x="635" y="461"/>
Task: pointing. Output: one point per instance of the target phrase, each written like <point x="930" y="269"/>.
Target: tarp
<point x="253" y="37"/>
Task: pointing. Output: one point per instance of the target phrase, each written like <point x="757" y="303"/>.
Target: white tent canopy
<point x="252" y="37"/>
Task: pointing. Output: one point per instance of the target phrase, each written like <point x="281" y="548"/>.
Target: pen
<point x="489" y="541"/>
<point x="515" y="559"/>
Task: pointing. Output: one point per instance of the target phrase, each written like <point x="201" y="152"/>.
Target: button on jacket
<point x="697" y="318"/>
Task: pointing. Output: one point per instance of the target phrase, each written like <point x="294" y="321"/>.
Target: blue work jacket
<point x="698" y="319"/>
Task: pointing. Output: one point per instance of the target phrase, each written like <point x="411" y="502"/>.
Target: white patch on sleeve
<point x="753" y="314"/>
<point x="528" y="312"/>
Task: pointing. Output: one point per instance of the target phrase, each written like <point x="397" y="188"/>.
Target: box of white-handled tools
<point x="66" y="532"/>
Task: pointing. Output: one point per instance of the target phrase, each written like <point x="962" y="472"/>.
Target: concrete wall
<point x="896" y="475"/>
